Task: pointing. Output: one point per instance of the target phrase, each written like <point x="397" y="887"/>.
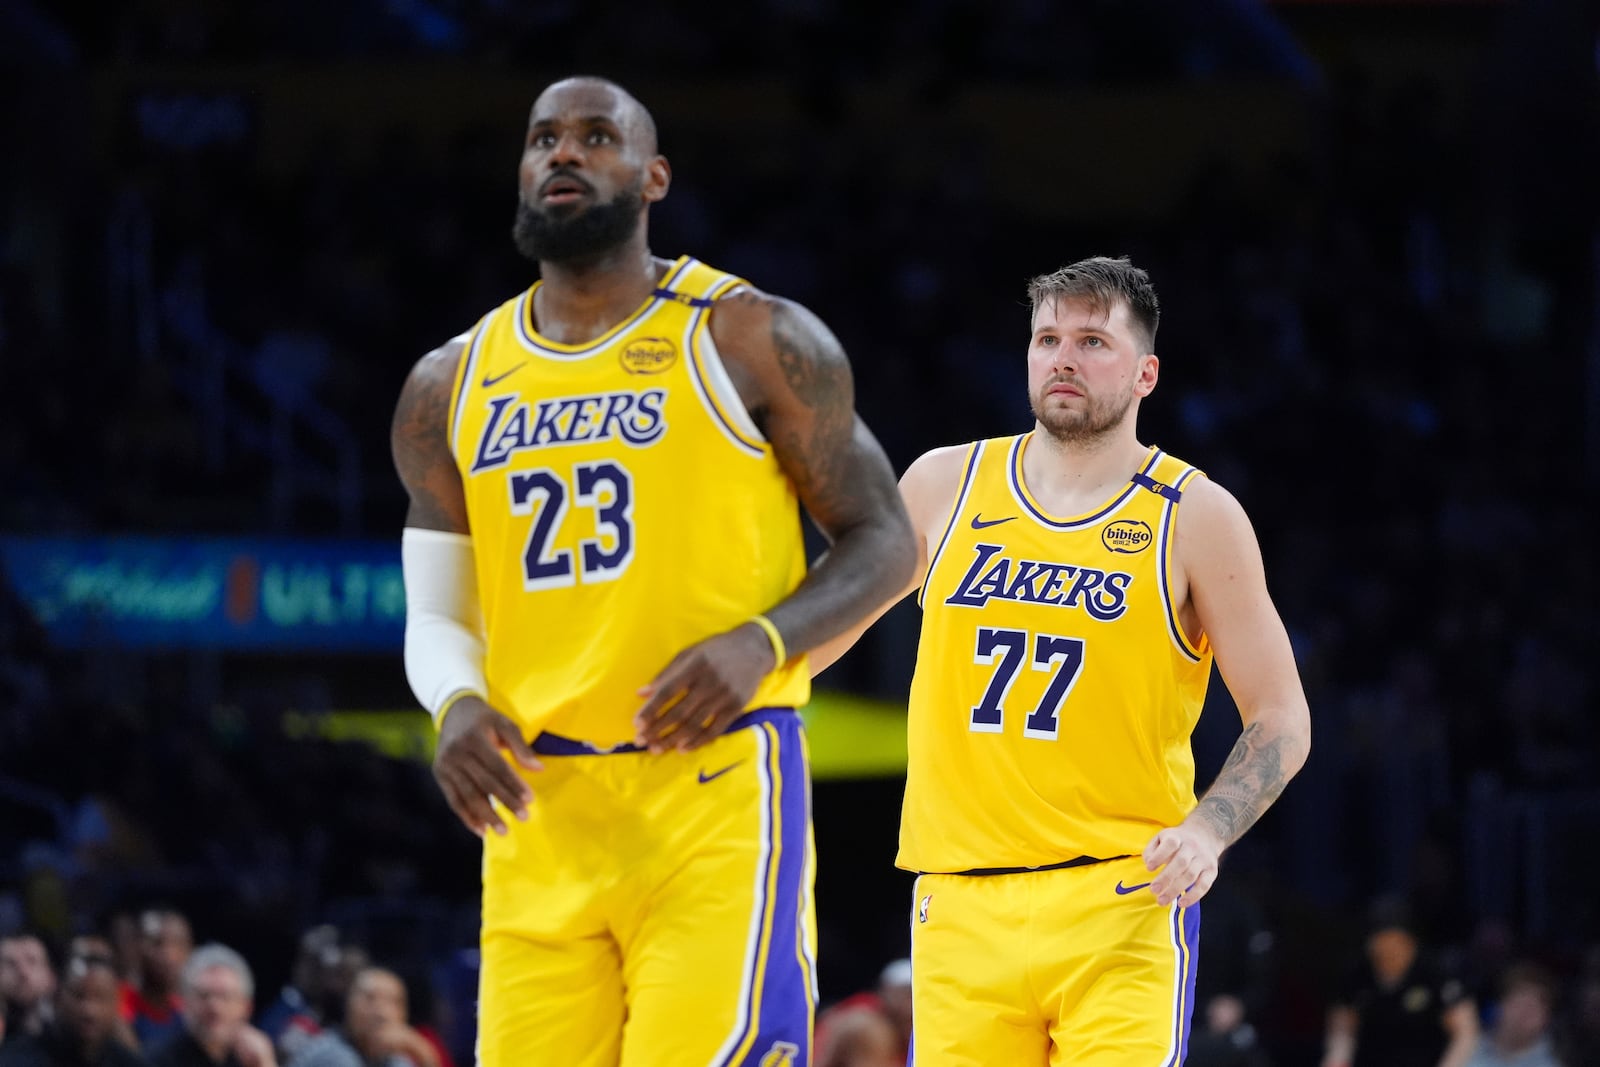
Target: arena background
<point x="227" y="230"/>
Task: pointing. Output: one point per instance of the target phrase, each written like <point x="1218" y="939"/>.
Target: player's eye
<point x="1093" y="342"/>
<point x="600" y="137"/>
<point x="542" y="140"/>
<point x="1048" y="340"/>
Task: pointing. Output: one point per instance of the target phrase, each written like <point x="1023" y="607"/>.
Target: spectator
<point x="27" y="984"/>
<point x="894" y="990"/>
<point x="1520" y="1036"/>
<point x="1398" y="1010"/>
<point x="96" y="945"/>
<point x="218" y="991"/>
<point x="858" y="1036"/>
<point x="340" y="979"/>
<point x="298" y="1014"/>
<point x="97" y="948"/>
<point x="1228" y="1040"/>
<point x="891" y="1001"/>
<point x="83" y="1033"/>
<point x="375" y="1032"/>
<point x="152" y="1004"/>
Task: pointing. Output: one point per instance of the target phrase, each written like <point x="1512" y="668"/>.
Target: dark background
<point x="1373" y="227"/>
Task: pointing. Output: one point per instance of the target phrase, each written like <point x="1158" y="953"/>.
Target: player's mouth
<point x="564" y="189"/>
<point x="1063" y="389"/>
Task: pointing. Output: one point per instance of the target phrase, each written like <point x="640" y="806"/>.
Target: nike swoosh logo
<point x="490" y="383"/>
<point x="1124" y="890"/>
<point x="704" y="777"/>
<point x="979" y="524"/>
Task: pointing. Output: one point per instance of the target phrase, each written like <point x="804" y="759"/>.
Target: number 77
<point x="1051" y="652"/>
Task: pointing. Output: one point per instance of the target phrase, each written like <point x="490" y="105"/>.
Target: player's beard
<point x="1082" y="426"/>
<point x="566" y="234"/>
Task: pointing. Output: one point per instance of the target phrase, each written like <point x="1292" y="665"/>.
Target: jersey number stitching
<point x="605" y="488"/>
<point x="1062" y="656"/>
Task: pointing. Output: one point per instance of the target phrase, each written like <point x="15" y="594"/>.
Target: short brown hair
<point x="1102" y="282"/>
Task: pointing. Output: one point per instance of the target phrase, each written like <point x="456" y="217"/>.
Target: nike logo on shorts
<point x="704" y="777"/>
<point x="1124" y="890"/>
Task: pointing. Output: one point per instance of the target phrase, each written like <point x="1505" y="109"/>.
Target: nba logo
<point x="922" y="908"/>
<point x="781" y="1054"/>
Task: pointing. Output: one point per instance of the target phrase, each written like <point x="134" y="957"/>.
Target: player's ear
<point x="1149" y="370"/>
<point x="657" y="178"/>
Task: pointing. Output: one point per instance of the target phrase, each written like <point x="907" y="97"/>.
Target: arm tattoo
<point x="420" y="443"/>
<point x="818" y="373"/>
<point x="810" y="366"/>
<point x="1248" y="783"/>
<point x="839" y="471"/>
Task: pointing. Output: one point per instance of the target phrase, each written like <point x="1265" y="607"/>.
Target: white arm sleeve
<point x="444" y="624"/>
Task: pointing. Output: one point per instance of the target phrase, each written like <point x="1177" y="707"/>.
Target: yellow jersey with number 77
<point x="623" y="506"/>
<point x="1055" y="691"/>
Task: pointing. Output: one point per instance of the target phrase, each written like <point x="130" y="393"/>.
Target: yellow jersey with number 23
<point x="622" y="504"/>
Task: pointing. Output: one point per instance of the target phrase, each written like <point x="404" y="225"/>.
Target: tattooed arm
<point x="1220" y="566"/>
<point x="444" y="647"/>
<point x="419" y="442"/>
<point x="795" y="380"/>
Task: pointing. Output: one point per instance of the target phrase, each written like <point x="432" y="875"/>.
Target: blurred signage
<point x="242" y="594"/>
<point x="848" y="736"/>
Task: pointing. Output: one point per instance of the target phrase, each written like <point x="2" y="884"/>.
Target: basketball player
<point x="1075" y="585"/>
<point x="609" y="610"/>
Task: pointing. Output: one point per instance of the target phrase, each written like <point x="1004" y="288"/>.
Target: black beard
<point x="581" y="236"/>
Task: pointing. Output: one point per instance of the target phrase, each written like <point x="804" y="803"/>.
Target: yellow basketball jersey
<point x="623" y="506"/>
<point x="1055" y="692"/>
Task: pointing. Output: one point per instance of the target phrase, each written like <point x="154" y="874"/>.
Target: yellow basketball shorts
<point x="1077" y="966"/>
<point x="655" y="910"/>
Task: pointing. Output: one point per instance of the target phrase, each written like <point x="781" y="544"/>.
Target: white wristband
<point x="444" y="647"/>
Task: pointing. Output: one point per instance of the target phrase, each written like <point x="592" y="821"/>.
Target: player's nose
<point x="568" y="151"/>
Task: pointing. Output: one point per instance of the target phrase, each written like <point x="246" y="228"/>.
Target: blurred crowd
<point x="143" y="993"/>
<point x="139" y="991"/>
<point x="1384" y="344"/>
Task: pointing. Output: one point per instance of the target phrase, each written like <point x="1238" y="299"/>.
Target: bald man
<point x="609" y="609"/>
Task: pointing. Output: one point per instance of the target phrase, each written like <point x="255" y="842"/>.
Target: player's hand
<point x="398" y="1039"/>
<point x="1187" y="855"/>
<point x="703" y="689"/>
<point x="252" y="1048"/>
<point x="471" y="767"/>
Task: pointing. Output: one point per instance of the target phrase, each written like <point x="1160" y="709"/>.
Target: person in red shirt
<point x="152" y="1007"/>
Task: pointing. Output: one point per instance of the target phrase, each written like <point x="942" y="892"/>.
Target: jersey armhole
<point x="1192" y="650"/>
<point x="463" y="381"/>
<point x="712" y="383"/>
<point x="973" y="455"/>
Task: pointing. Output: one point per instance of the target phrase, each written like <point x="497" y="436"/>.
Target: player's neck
<point x="577" y="302"/>
<point x="1068" y="477"/>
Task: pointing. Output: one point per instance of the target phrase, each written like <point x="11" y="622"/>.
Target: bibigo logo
<point x="1127" y="536"/>
<point x="649" y="355"/>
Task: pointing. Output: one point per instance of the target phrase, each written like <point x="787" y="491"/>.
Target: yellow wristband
<point x="451" y="701"/>
<point x="779" y="653"/>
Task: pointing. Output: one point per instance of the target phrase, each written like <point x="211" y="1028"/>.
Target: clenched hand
<point x="1187" y="855"/>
